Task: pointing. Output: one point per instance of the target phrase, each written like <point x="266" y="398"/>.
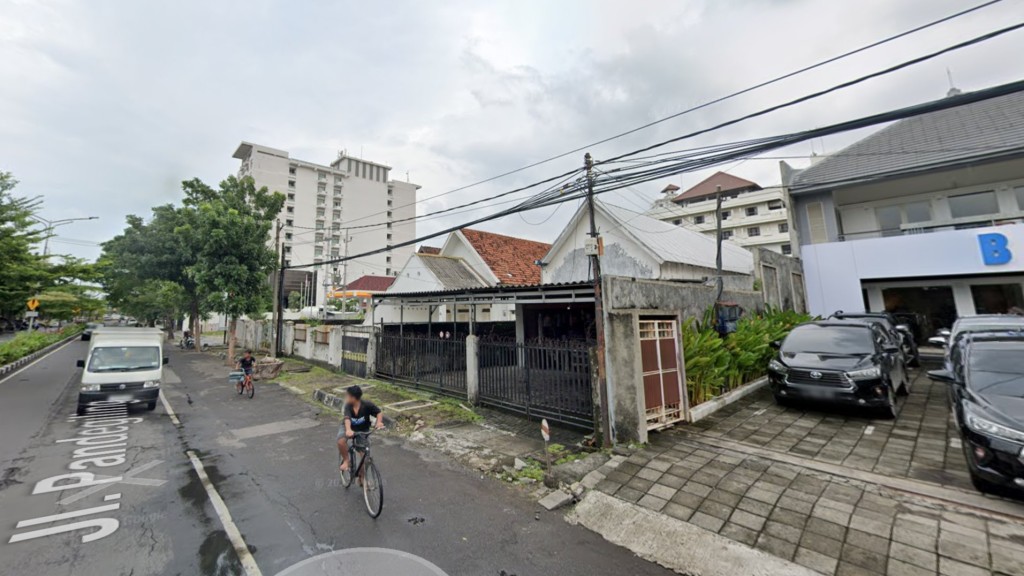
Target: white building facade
<point x="322" y="201"/>
<point x="751" y="215"/>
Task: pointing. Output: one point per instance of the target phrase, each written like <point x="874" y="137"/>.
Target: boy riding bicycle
<point x="357" y="419"/>
<point x="246" y="364"/>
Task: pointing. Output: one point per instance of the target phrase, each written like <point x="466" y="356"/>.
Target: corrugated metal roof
<point x="982" y="130"/>
<point x="677" y="244"/>
<point x="452" y="273"/>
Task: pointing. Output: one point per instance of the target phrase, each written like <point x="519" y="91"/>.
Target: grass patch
<point x="562" y="455"/>
<point x="26" y="343"/>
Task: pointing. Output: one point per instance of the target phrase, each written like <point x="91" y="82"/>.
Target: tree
<point x="22" y="273"/>
<point x="294" y="301"/>
<point x="233" y="262"/>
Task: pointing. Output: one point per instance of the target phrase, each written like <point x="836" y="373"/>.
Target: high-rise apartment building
<point x="323" y="201"/>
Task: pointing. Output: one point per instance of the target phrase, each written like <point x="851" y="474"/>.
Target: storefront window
<point x="924" y="308"/>
<point x="918" y="212"/>
<point x="997" y="298"/>
<point x="975" y="204"/>
<point x="889" y="220"/>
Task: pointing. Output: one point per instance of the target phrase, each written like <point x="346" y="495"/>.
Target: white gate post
<point x="472" y="369"/>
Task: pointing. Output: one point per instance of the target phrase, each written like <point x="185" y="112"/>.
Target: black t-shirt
<point x="247" y="363"/>
<point x="360" y="421"/>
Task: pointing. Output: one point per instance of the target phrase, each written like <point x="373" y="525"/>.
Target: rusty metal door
<point x="662" y="377"/>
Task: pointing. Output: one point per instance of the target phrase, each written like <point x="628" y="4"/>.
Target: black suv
<point x="839" y="362"/>
<point x="900" y="333"/>
<point x="986" y="378"/>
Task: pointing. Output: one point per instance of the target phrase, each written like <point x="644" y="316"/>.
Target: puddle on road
<point x="217" y="556"/>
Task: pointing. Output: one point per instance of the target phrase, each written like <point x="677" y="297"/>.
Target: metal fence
<point x="550" y="379"/>
<point x="423" y="361"/>
<point x="353" y="354"/>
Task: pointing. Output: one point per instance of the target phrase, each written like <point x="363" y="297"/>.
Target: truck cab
<point x="123" y="365"/>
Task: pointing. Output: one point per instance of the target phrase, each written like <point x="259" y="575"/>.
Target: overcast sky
<point x="106" y="106"/>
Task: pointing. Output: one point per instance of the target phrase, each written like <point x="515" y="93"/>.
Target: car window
<point x="997" y="370"/>
<point x="124" y="358"/>
<point x="829" y="340"/>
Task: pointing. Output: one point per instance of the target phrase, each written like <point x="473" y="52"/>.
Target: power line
<point x="774" y="143"/>
<point x="706" y="104"/>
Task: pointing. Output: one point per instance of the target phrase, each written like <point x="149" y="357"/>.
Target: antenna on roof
<point x="953" y="90"/>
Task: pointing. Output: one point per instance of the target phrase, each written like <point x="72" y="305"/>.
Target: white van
<point x="123" y="365"/>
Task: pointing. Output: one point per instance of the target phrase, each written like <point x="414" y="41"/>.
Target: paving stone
<point x="782" y="531"/>
<point x="874" y="560"/>
<point x="663" y="492"/>
<point x="672" y="481"/>
<point x="1007" y="560"/>
<point x="766" y="496"/>
<point x="706" y="521"/>
<point x="677" y="511"/>
<point x="629" y="468"/>
<point x="659" y="464"/>
<point x="870" y="526"/>
<point x="776" y="546"/>
<point x="687" y="499"/>
<point x="652" y="502"/>
<point x="847" y="569"/>
<point x="822" y="544"/>
<point x="963" y="520"/>
<point x="964" y="551"/>
<point x="915" y="556"/>
<point x="629" y="494"/>
<point x="955" y="532"/>
<point x="607" y="486"/>
<point x="899" y="568"/>
<point x="915" y="539"/>
<point x="835" y="505"/>
<point x="795" y="505"/>
<point x="723" y="497"/>
<point x="789" y="517"/>
<point x="748" y="520"/>
<point x="826" y="528"/>
<point x="697" y="488"/>
<point x="618" y="477"/>
<point x="866" y="540"/>
<point x="715" y="509"/>
<point x="815" y="560"/>
<point x="755" y="507"/>
<point x="638" y="483"/>
<point x="649" y="474"/>
<point x="733" y="486"/>
<point x="948" y="567"/>
<point x="739" y="533"/>
<point x="832" y="515"/>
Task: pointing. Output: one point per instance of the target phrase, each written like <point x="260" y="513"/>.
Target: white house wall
<point x="622" y="255"/>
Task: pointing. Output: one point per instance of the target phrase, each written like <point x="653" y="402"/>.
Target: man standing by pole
<point x="595" y="264"/>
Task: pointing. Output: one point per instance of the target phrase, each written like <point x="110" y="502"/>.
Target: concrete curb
<point x="675" y="544"/>
<point x="20" y="363"/>
<point x="705" y="409"/>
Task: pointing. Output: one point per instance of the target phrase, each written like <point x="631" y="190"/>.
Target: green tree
<point x="234" y="261"/>
<point x="22" y="272"/>
<point x="294" y="301"/>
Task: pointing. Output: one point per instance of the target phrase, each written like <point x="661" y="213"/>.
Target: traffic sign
<point x="32" y="304"/>
<point x="545" y="430"/>
<point x="32" y="314"/>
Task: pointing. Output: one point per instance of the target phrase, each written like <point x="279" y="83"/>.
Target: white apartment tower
<point x="322" y="202"/>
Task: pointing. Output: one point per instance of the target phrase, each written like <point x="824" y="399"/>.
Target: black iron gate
<point x="353" y="353"/>
<point x="540" y="380"/>
<point x="423" y="361"/>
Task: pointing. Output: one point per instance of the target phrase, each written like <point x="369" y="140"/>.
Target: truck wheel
<point x="151" y="405"/>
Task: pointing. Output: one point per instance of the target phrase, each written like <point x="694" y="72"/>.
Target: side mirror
<point x="944" y="332"/>
<point x="938" y="341"/>
<point x="775" y="344"/>
<point x="891" y="348"/>
<point x="941" y="376"/>
<point x="903" y="328"/>
<point x="166" y="360"/>
<point x="80" y="363"/>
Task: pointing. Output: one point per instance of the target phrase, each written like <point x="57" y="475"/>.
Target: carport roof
<point x="534" y="294"/>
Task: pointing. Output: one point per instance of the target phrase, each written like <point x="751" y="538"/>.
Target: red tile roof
<point x="511" y="259"/>
<point x="371" y="283"/>
<point x="708" y="186"/>
<point x="429" y="250"/>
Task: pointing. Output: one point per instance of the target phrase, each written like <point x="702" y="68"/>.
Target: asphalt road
<point x="272" y="461"/>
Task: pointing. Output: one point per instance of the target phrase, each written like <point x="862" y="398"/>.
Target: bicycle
<point x="366" y="471"/>
<point x="246" y="384"/>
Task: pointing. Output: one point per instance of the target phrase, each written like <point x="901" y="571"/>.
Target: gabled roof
<point x="666" y="242"/>
<point x="511" y="259"/>
<point x="452" y="273"/>
<point x="983" y="130"/>
<point x="371" y="283"/>
<point x="428" y="250"/>
<point x="709" y="185"/>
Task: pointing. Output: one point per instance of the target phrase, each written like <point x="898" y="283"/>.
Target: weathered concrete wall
<point x="622" y="360"/>
<point x="781" y="278"/>
<point x="672" y="298"/>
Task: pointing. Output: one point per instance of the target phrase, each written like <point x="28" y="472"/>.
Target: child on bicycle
<point x="246" y="364"/>
<point x="357" y="419"/>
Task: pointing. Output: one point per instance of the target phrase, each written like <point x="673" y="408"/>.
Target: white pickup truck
<point x="123" y="365"/>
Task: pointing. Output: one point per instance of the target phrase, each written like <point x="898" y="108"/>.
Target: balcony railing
<point x="909" y="229"/>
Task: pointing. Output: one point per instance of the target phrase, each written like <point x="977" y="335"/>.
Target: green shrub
<point x="26" y="343"/>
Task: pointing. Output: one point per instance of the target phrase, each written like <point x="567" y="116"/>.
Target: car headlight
<point x="865" y="374"/>
<point x="90" y="387"/>
<point x="150" y="383"/>
<point x="776" y="366"/>
<point x="989" y="428"/>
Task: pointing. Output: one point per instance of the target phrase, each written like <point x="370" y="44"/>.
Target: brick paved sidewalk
<point x="830" y="524"/>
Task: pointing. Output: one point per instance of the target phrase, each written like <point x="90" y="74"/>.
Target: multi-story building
<point x="751" y="215"/>
<point x="322" y="201"/>
<point x="924" y="217"/>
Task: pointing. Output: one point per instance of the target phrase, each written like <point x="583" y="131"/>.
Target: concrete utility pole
<point x="595" y="263"/>
<point x="278" y="278"/>
<point x="718" y="253"/>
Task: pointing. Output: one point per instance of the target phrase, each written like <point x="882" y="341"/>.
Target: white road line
<point x="869" y="430"/>
<point x="169" y="410"/>
<point x="274" y="428"/>
<point x="36" y="361"/>
<point x="248" y="562"/>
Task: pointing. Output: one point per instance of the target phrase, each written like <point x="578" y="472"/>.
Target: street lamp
<point x="51" y="224"/>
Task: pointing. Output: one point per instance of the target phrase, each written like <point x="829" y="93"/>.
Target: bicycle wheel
<point x="252" y="388"/>
<point x="373" y="489"/>
<point x="240" y="387"/>
<point x="346" y="475"/>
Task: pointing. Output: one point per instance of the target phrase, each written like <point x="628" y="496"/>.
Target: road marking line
<point x="36" y="361"/>
<point x="128" y="478"/>
<point x="248" y="562"/>
<point x="274" y="428"/>
<point x="169" y="410"/>
<point x="868" y="431"/>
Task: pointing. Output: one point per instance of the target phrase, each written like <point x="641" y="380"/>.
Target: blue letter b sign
<point x="994" y="250"/>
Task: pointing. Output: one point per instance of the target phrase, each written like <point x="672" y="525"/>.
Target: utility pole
<point x="595" y="264"/>
<point x="344" y="273"/>
<point x="718" y="251"/>
<point x="279" y="277"/>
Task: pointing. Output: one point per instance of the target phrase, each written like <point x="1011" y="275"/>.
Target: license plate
<point x="817" y="393"/>
<point x="120" y="398"/>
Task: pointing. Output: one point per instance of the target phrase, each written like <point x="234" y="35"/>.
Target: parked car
<point x="974" y="324"/>
<point x="87" y="333"/>
<point x="987" y="391"/>
<point x="901" y="333"/>
<point x="842" y="362"/>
